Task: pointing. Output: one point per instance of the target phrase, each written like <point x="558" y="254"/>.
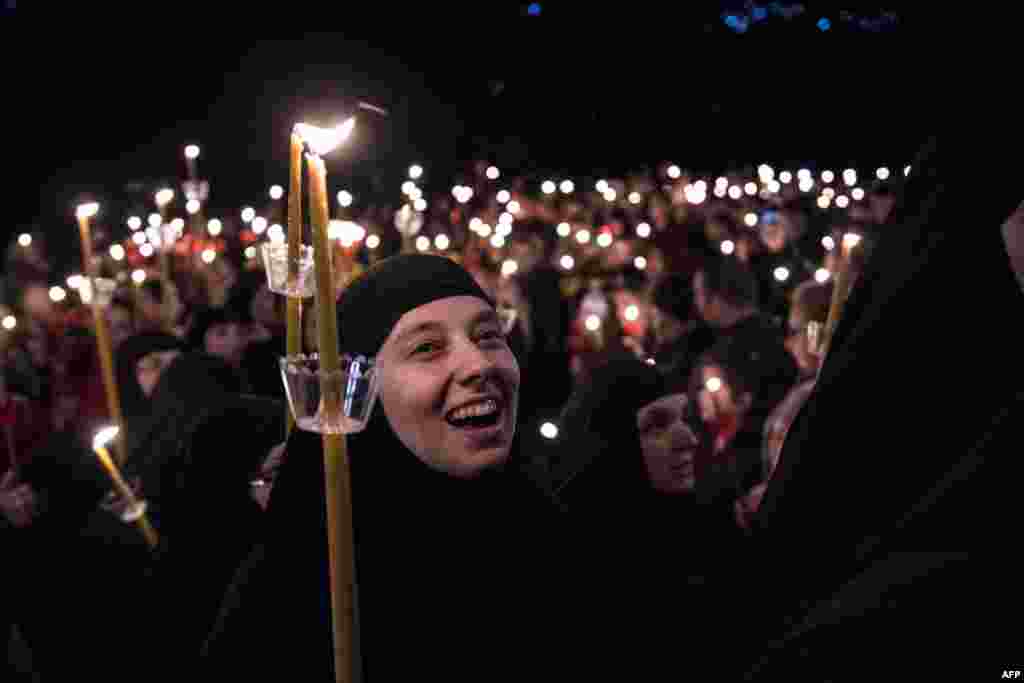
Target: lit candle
<point x="163" y="198"/>
<point x="336" y="470"/>
<point x="840" y="289"/>
<point x="294" y="314"/>
<point x="99" y="446"/>
<point x="103" y="346"/>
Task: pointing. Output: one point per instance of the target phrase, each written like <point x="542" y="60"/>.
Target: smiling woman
<point x="444" y="521"/>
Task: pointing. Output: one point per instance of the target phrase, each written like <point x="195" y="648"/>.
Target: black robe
<point x="893" y="498"/>
<point x="75" y="579"/>
<point x="452" y="575"/>
<point x="663" y="564"/>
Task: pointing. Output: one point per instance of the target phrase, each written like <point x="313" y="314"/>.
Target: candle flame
<point x="87" y="210"/>
<point x="164" y="196"/>
<point x="104" y="437"/>
<point x="324" y="140"/>
<point x="851" y="240"/>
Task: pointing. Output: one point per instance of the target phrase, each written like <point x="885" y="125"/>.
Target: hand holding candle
<point x="135" y="507"/>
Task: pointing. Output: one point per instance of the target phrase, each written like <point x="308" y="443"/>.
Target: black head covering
<point x="134" y="402"/>
<point x="192" y="385"/>
<point x="206" y="317"/>
<point x="901" y="352"/>
<point x="426" y="543"/>
<point x="674" y="294"/>
<point x="370" y="306"/>
<point x="600" y="449"/>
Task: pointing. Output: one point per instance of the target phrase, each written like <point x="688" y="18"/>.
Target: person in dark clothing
<point x="448" y="533"/>
<point x="635" y="495"/>
<point x="219" y="332"/>
<point x="680" y="335"/>
<point x="547" y="357"/>
<point x="65" y="586"/>
<point x="894" y="530"/>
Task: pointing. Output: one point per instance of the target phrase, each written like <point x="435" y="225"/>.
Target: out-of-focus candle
<point x="99" y="446"/>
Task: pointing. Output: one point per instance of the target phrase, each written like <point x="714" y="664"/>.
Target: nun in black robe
<point x="894" y="497"/>
<point x="195" y="456"/>
<point x="675" y="553"/>
<point x="451" y="574"/>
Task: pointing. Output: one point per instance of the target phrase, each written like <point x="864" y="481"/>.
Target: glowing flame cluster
<point x="322" y="141"/>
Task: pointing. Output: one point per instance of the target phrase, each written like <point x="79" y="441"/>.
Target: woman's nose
<point x="474" y="364"/>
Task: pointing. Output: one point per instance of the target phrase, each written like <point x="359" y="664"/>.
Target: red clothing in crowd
<point x="24" y="425"/>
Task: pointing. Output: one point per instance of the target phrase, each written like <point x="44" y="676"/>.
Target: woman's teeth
<point x="476" y="410"/>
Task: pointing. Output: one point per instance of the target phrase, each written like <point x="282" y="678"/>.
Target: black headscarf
<point x="862" y="477"/>
<point x="134" y="402"/>
<point x="193" y="385"/>
<point x="426" y="544"/>
<point x="599" y="432"/>
<point x="207" y="317"/>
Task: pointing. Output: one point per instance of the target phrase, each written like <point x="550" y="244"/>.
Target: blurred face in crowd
<point x="881" y="206"/>
<point x="797" y="342"/>
<point x="119" y="319"/>
<point x="773" y="236"/>
<point x="150" y="367"/>
<point x="36" y="301"/>
<point x="1013" y="235"/>
<point x="717" y="399"/>
<point x="226" y="340"/>
<point x="666" y="327"/>
<point x="449" y="385"/>
<point x="669" y="445"/>
<point x="263" y="307"/>
<point x="707" y="305"/>
<point x="149" y="305"/>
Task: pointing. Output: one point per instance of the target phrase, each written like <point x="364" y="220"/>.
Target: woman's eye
<point x="425" y="348"/>
<point x="492" y="334"/>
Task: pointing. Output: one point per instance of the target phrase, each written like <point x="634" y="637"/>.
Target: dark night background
<point x="99" y="98"/>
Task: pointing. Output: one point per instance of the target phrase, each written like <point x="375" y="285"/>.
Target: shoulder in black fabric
<point x="189" y="388"/>
<point x="913" y="343"/>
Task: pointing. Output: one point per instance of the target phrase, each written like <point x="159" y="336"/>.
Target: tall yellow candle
<point x="840" y="289"/>
<point x="294" y="313"/>
<point x="103" y="344"/>
<point x="337" y="482"/>
<point x="99" y="446"/>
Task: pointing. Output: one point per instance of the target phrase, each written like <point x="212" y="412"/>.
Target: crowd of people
<point x="637" y="504"/>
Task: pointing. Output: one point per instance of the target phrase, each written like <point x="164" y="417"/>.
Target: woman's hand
<point x="747" y="505"/>
<point x="117" y="504"/>
<point x="261" y="486"/>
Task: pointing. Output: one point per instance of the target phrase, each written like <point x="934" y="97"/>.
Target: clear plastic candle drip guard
<point x="353" y="391"/>
<point x="275" y="261"/>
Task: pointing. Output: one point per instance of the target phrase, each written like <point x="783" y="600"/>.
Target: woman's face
<point x="150" y="307"/>
<point x="797" y="342"/>
<point x="119" y="320"/>
<point x="449" y="385"/>
<point x="226" y="340"/>
<point x="717" y="399"/>
<point x="263" y="308"/>
<point x="150" y="367"/>
<point x="669" y="445"/>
